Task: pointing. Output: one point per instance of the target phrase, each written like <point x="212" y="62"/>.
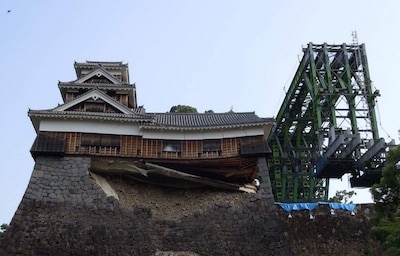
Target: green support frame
<point x="330" y="98"/>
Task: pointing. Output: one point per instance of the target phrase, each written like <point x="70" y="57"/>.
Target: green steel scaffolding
<point x="326" y="125"/>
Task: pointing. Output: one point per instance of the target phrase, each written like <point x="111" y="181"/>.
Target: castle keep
<point x="112" y="179"/>
<point x="100" y="117"/>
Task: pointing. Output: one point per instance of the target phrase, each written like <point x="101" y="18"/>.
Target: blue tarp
<point x="348" y="207"/>
<point x="288" y="207"/>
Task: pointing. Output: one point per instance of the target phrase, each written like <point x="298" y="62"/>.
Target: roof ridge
<point x="60" y="83"/>
<point x="99" y="63"/>
<point x="89" y="115"/>
<point x="218" y="113"/>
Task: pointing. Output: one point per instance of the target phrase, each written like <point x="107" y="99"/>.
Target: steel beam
<point x="350" y="147"/>
<point x="375" y="149"/>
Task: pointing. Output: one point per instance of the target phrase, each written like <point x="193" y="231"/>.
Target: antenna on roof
<point x="357" y="51"/>
<point x="355" y="39"/>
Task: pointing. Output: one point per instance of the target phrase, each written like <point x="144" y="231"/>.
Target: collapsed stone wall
<point x="65" y="212"/>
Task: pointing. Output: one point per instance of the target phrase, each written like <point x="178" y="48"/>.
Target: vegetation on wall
<point x="3" y="229"/>
<point x="386" y="194"/>
<point x="343" y="196"/>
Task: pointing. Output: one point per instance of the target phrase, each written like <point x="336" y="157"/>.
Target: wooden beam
<point x="190" y="177"/>
<point x="144" y="171"/>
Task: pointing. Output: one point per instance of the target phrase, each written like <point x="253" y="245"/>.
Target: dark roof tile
<point x="182" y="120"/>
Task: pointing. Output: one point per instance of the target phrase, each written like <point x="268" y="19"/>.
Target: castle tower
<point x="111" y="78"/>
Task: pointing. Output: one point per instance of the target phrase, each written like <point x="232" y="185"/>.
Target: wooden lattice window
<point x="98" y="79"/>
<point x="172" y="146"/>
<point x="102" y="140"/>
<point x="94" y="107"/>
<point x="49" y="142"/>
<point x="212" y="146"/>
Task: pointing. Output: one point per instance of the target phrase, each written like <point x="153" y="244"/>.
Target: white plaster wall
<point x="128" y="128"/>
<point x="201" y="135"/>
<point x="90" y="126"/>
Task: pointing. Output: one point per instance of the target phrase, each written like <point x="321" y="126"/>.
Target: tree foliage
<point x="182" y="109"/>
<point x="342" y="196"/>
<point x="386" y="194"/>
<point x="3" y="229"/>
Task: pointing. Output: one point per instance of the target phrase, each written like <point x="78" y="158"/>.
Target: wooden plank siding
<point x="230" y="147"/>
<point x="73" y="142"/>
<point x="191" y="148"/>
<point x="136" y="146"/>
<point x="151" y="148"/>
<point x="131" y="146"/>
<point x="122" y="98"/>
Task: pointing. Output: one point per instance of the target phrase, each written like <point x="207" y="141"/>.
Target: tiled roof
<point x="207" y="120"/>
<point x="86" y="85"/>
<point x="90" y="115"/>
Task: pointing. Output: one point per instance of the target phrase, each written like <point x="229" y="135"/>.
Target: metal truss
<point x="326" y="125"/>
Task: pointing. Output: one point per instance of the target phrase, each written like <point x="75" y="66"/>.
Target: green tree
<point x="386" y="194"/>
<point x="182" y="109"/>
<point x="3" y="229"/>
<point x="342" y="196"/>
<point x="209" y="111"/>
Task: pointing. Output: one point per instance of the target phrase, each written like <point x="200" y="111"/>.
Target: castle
<point x="111" y="179"/>
<point x="100" y="118"/>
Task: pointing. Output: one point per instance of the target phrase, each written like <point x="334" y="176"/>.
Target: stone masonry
<point x="65" y="212"/>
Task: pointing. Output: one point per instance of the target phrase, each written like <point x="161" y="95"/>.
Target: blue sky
<point x="213" y="54"/>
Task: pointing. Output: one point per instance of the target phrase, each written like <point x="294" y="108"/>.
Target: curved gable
<point x="99" y="76"/>
<point x="95" y="97"/>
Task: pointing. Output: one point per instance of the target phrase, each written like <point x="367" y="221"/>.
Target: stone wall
<point x="65" y="212"/>
<point x="340" y="233"/>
